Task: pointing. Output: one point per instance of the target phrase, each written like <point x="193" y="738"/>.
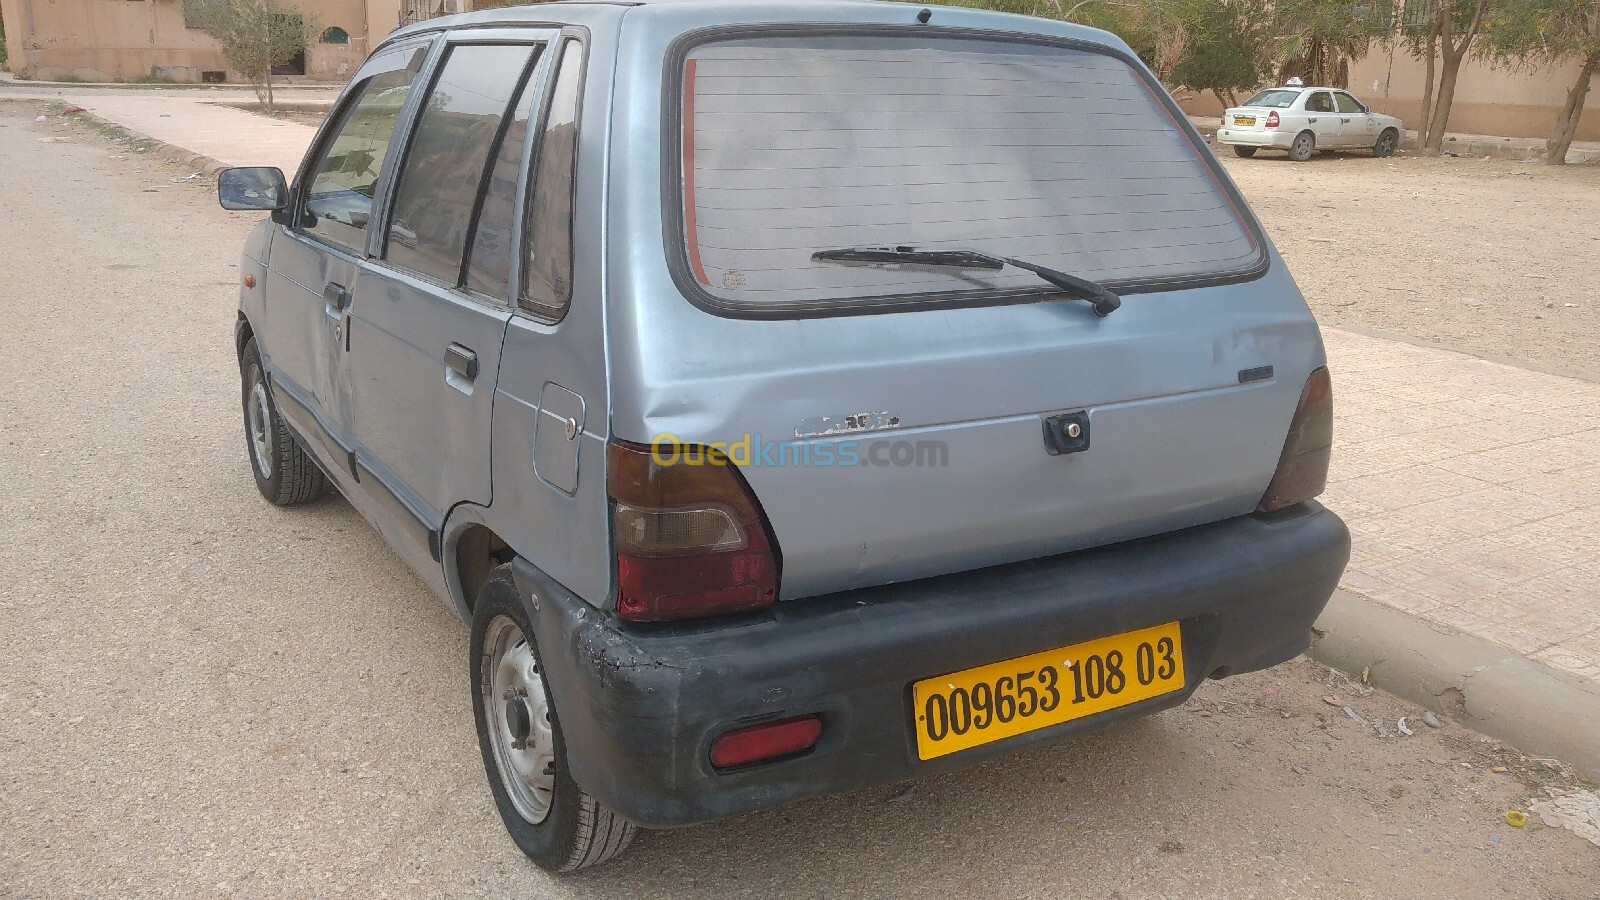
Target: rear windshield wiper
<point x="1081" y="288"/>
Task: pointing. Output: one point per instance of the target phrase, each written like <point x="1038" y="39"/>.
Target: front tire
<point x="1242" y="150"/>
<point x="1305" y="144"/>
<point x="285" y="473"/>
<point x="1387" y="142"/>
<point x="548" y="816"/>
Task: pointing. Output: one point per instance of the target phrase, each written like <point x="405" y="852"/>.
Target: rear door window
<point x="489" y="261"/>
<point x="1059" y="155"/>
<point x="447" y="163"/>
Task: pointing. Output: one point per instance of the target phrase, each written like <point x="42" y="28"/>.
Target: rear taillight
<point x="1272" y="120"/>
<point x="691" y="539"/>
<point x="1303" y="467"/>
<point x="769" y="741"/>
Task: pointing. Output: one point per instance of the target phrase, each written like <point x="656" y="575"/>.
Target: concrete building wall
<point x="112" y="40"/>
<point x="1508" y="103"/>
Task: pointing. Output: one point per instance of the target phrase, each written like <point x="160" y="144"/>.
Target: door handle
<point x="461" y="361"/>
<point x="1312" y="119"/>
<point x="337" y="298"/>
<point x="1345" y="121"/>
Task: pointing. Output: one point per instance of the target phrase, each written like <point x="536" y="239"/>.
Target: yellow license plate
<point x="1004" y="699"/>
<point x="1244" y="120"/>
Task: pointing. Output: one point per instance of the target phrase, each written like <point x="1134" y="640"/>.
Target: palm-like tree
<point x="1320" y="39"/>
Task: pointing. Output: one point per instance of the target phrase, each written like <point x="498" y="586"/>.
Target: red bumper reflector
<point x="768" y="741"/>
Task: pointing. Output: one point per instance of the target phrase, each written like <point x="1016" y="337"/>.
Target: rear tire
<point x="550" y="818"/>
<point x="1305" y="144"/>
<point x="1387" y="142"/>
<point x="285" y="473"/>
<point x="1242" y="150"/>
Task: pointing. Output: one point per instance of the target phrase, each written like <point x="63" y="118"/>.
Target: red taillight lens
<point x="1272" y="120"/>
<point x="691" y="540"/>
<point x="769" y="741"/>
<point x="1303" y="467"/>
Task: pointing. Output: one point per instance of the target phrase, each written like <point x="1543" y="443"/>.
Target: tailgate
<point x="890" y="418"/>
<point x="936" y="461"/>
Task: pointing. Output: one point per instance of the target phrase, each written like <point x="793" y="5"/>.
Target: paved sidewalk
<point x="197" y="121"/>
<point x="1472" y="487"/>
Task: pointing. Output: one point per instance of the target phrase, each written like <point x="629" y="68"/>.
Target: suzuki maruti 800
<point x="793" y="396"/>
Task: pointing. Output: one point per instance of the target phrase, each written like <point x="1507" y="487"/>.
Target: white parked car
<point x="1303" y="120"/>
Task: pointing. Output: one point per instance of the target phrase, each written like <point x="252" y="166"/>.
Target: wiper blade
<point x="1105" y="301"/>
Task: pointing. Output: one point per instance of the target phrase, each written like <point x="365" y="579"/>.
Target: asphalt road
<point x="201" y="694"/>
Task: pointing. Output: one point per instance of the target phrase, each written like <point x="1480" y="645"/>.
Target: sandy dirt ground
<point x="203" y="695"/>
<point x="1493" y="256"/>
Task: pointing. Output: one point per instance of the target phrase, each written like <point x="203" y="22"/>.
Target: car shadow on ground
<point x="958" y="827"/>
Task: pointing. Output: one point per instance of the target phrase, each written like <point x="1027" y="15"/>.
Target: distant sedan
<point x="1303" y="120"/>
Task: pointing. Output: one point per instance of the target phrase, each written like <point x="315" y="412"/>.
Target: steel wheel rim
<point x="1302" y="145"/>
<point x="255" y="417"/>
<point x="517" y="711"/>
<point x="1386" y="144"/>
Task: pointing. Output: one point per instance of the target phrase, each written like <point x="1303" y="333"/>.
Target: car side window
<point x="489" y="262"/>
<point x="442" y="179"/>
<point x="344" y="180"/>
<point x="1320" y="102"/>
<point x="1348" y="104"/>
<point x="547" y="268"/>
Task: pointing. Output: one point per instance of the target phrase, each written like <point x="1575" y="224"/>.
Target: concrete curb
<point x="1482" y="685"/>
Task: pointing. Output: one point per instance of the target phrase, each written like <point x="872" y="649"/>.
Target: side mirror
<point x="252" y="187"/>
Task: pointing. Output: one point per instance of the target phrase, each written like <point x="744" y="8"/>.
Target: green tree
<point x="1420" y="35"/>
<point x="1532" y="33"/>
<point x="256" y="35"/>
<point x="1229" y="48"/>
<point x="1455" y="24"/>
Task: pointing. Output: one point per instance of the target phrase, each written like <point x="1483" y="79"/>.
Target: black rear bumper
<point x="639" y="706"/>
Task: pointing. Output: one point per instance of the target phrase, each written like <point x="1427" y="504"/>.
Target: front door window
<point x="344" y="179"/>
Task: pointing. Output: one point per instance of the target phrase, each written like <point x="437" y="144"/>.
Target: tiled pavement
<point x="1472" y="488"/>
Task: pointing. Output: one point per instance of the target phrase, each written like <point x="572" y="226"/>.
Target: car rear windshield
<point x="1278" y="99"/>
<point x="1060" y="155"/>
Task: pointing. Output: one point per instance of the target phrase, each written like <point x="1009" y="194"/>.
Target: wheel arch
<point x="472" y="548"/>
<point x="243" y="331"/>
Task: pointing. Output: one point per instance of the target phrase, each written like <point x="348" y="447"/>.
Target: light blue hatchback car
<point x="794" y="396"/>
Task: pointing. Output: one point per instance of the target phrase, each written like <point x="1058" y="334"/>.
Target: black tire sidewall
<point x="251" y="372"/>
<point x="1243" y="152"/>
<point x="550" y="842"/>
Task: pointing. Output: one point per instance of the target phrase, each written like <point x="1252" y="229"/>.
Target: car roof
<point x="834" y="11"/>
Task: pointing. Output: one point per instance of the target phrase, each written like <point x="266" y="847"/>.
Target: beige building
<point x="1492" y="101"/>
<point x="120" y="40"/>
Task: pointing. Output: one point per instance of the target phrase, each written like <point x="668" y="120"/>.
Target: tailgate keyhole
<point x="1067" y="433"/>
